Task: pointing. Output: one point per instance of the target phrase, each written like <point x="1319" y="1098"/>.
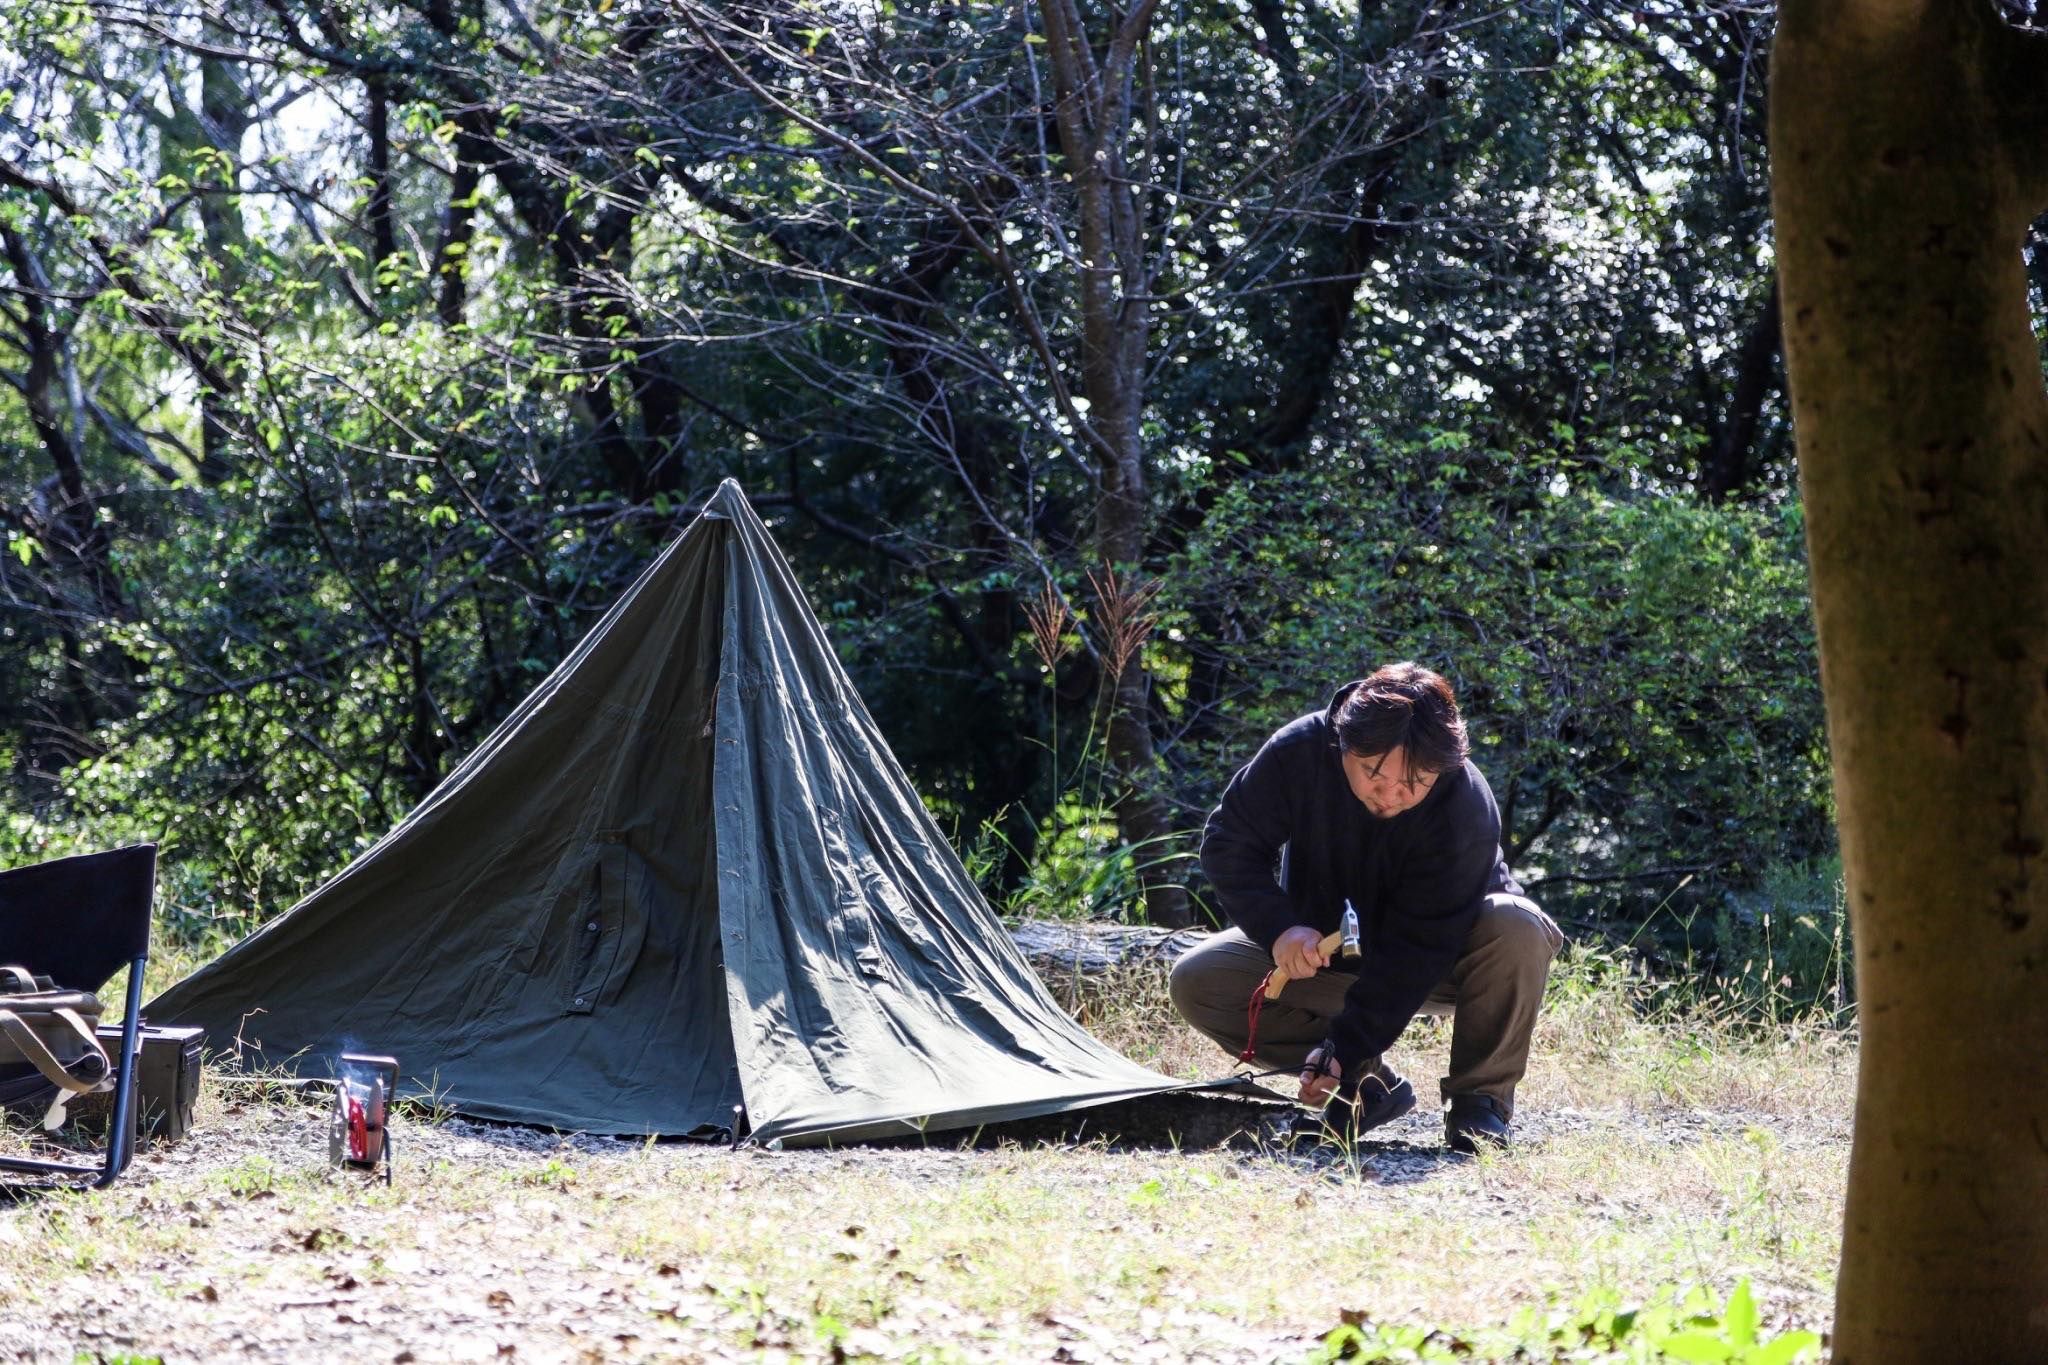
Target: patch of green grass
<point x="253" y="1177"/>
<point x="1678" y="1324"/>
<point x="1611" y="1035"/>
<point x="1781" y="953"/>
<point x="1113" y="1234"/>
<point x="552" y="1174"/>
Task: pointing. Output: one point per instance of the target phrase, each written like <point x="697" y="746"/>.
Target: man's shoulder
<point x="1305" y="734"/>
<point x="1468" y="799"/>
<point x="1311" y="725"/>
<point x="1473" y="782"/>
<point x="1293" y="754"/>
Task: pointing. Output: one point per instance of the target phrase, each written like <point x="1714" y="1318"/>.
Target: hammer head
<point x="1348" y="949"/>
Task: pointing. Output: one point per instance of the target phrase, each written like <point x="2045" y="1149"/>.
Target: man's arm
<point x="1432" y="910"/>
<point x="1241" y="845"/>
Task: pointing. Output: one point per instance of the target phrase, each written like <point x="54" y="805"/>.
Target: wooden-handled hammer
<point x="1343" y="943"/>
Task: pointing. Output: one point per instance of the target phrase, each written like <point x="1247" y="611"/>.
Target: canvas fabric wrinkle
<point x="694" y="826"/>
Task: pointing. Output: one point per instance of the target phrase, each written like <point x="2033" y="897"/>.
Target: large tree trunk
<point x="1113" y="366"/>
<point x="1909" y="152"/>
<point x="1093" y="114"/>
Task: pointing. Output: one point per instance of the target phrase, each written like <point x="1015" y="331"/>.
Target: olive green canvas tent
<point x="685" y="875"/>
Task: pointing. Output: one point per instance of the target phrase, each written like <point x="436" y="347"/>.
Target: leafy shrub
<point x="1782" y="950"/>
<point x="1637" y="666"/>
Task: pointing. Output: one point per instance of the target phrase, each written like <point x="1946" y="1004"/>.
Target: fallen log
<point x="1063" y="950"/>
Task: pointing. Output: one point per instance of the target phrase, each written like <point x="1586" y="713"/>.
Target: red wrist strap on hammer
<point x="1251" y="1017"/>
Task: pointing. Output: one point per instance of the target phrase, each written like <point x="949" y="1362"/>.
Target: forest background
<point x="1118" y="380"/>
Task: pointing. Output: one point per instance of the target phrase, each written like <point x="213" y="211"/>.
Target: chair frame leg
<point x="121" y="1130"/>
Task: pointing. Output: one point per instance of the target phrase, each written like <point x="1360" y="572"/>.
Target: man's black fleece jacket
<point x="1416" y="879"/>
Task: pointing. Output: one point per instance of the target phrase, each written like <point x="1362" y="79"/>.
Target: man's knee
<point x="1194" y="983"/>
<point x="1517" y="927"/>
<point x="1208" y="984"/>
<point x="1183" y="983"/>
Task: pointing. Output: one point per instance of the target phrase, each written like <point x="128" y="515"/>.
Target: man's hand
<point x="1299" y="952"/>
<point x="1319" y="1076"/>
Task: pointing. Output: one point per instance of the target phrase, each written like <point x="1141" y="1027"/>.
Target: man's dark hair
<point x="1404" y="706"/>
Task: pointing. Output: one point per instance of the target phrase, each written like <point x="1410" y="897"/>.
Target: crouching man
<point x="1373" y="802"/>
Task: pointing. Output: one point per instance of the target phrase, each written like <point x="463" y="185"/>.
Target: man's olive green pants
<point x="1492" y="995"/>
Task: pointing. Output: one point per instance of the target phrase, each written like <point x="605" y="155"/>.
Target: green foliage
<point x="1774" y="954"/>
<point x="1681" y="1325"/>
<point x="552" y="1174"/>
<point x="1429" y="371"/>
<point x="1077" y="868"/>
<point x="254" y="1177"/>
<point x="1781" y="951"/>
<point x="312" y="650"/>
<point x="1636" y="665"/>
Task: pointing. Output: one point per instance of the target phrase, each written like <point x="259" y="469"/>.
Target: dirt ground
<point x="1658" y="1151"/>
<point x="499" y="1243"/>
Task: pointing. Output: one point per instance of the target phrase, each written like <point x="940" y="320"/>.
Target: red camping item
<point x="359" y="1134"/>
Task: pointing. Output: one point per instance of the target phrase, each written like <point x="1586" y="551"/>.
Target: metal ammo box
<point x="166" y="1078"/>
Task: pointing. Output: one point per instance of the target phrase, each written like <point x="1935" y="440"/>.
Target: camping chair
<point x="76" y="921"/>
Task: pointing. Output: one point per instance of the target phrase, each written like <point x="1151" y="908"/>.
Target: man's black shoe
<point x="1472" y="1120"/>
<point x="1352" y="1114"/>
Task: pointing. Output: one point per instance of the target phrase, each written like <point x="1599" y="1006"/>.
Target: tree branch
<point x="1123" y="47"/>
<point x="132" y="439"/>
<point x="112" y="259"/>
<point x="991" y="249"/>
<point x="948" y="604"/>
<point x="1654" y="874"/>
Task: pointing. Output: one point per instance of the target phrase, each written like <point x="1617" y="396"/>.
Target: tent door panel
<point x="608" y="930"/>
